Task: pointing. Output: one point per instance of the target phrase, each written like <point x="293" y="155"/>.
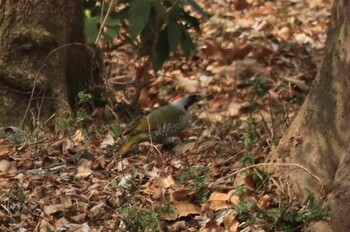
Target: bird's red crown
<point x="177" y="96"/>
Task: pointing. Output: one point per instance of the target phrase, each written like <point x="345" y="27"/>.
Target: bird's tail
<point x="133" y="140"/>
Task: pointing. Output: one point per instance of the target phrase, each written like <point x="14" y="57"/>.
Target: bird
<point x="162" y="123"/>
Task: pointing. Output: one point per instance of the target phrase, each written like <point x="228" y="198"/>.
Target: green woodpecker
<point x="162" y="123"/>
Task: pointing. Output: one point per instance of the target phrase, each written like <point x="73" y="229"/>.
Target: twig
<point x="139" y="88"/>
<point x="199" y="134"/>
<point x="31" y="97"/>
<point x="268" y="164"/>
<point x="111" y="4"/>
<point x="39" y="71"/>
<point x="151" y="141"/>
<point x="8" y="211"/>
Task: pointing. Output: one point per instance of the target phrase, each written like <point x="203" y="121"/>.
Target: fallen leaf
<point x="231" y="224"/>
<point x="211" y="226"/>
<point x="78" y="136"/>
<point x="66" y="201"/>
<point x="189" y="86"/>
<point x="241" y="4"/>
<point x="183" y="209"/>
<point x="67" y="145"/>
<point x="264" y="201"/>
<point x="7" y="167"/>
<point x="218" y="201"/>
<point x="155" y="192"/>
<point x="284" y="33"/>
<point x="107" y="141"/>
<point x="4" y="150"/>
<point x="84" y="169"/>
<point x="50" y="209"/>
<point x="246" y="181"/>
<point x="178" y="226"/>
<point x="182" y="195"/>
<point x="79" y="217"/>
<point x="98" y="114"/>
<point x="166" y="182"/>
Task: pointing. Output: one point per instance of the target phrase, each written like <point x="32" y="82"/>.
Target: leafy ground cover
<point x="255" y="61"/>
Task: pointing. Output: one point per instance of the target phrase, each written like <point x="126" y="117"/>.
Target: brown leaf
<point x="284" y="34"/>
<point x="231" y="224"/>
<point x="261" y="52"/>
<point x="247" y="181"/>
<point x="79" y="217"/>
<point x="155" y="192"/>
<point x="7" y="167"/>
<point x="144" y="100"/>
<point x="98" y="114"/>
<point x="66" y="201"/>
<point x="218" y="201"/>
<point x="189" y="85"/>
<point x="50" y="209"/>
<point x="78" y="136"/>
<point x="183" y="209"/>
<point x="107" y="141"/>
<point x="182" y="195"/>
<point x="211" y="226"/>
<point x="234" y="199"/>
<point x="240" y="4"/>
<point x="264" y="201"/>
<point x="4" y="150"/>
<point x="166" y="182"/>
<point x="84" y="169"/>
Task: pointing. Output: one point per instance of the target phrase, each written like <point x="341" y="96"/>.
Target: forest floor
<point x="254" y="64"/>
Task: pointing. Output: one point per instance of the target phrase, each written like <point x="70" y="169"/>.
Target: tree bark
<point x="319" y="136"/>
<point x="43" y="60"/>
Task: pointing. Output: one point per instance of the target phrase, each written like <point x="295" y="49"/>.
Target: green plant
<point x="260" y="177"/>
<point x="197" y="179"/>
<point x="116" y="130"/>
<point x="153" y="27"/>
<point x="246" y="210"/>
<point x="139" y="219"/>
<point x="287" y="218"/>
<point x="249" y="138"/>
<point x="257" y="84"/>
<point x="16" y="195"/>
<point x="66" y="125"/>
<point x="284" y="217"/>
<point x="84" y="97"/>
<point x="240" y="189"/>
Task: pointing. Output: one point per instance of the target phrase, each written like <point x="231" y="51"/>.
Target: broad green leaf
<point x="159" y="9"/>
<point x="87" y="4"/>
<point x="96" y="11"/>
<point x="112" y="22"/>
<point x="139" y="13"/>
<point x="147" y="39"/>
<point x="174" y="35"/>
<point x="186" y="42"/>
<point x="198" y="8"/>
<point x="111" y="33"/>
<point x="123" y="13"/>
<point x="162" y="51"/>
<point x="91" y="29"/>
<point x="192" y="21"/>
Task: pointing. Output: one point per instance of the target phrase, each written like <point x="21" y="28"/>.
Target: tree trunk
<point x="320" y="134"/>
<point x="41" y="71"/>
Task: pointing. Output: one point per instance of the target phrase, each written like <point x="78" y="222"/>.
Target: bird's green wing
<point x="165" y="114"/>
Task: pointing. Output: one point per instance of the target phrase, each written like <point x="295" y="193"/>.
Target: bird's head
<point x="185" y="101"/>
